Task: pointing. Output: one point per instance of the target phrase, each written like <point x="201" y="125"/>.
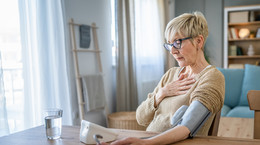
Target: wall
<point x="212" y="10"/>
<point x="87" y="12"/>
<point x="228" y="3"/>
<point x="214" y="13"/>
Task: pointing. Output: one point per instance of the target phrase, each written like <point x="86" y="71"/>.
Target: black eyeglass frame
<point x="175" y="43"/>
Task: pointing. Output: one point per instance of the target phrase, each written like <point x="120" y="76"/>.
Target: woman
<point x="194" y="81"/>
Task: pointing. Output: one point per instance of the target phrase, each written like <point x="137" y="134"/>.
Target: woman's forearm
<point x="145" y="111"/>
<point x="172" y="135"/>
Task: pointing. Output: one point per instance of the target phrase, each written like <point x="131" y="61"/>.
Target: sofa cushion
<point x="251" y="82"/>
<point x="224" y="111"/>
<point x="233" y="85"/>
<point x="241" y="111"/>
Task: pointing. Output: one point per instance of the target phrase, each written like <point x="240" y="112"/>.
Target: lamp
<point x="243" y="33"/>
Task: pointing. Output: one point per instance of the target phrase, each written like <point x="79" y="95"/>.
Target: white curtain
<point x="44" y="59"/>
<point x="140" y="61"/>
<point x="4" y="129"/>
<point x="148" y="46"/>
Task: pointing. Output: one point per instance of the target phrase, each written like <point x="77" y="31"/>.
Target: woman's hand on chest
<point x="175" y="88"/>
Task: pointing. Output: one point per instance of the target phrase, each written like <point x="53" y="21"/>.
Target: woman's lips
<point x="179" y="58"/>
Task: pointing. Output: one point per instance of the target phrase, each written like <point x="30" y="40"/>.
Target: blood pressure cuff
<point x="193" y="117"/>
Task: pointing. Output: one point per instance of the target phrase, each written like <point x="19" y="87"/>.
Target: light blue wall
<point x="87" y="12"/>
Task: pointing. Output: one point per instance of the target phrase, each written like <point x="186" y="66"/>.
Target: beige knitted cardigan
<point x="209" y="89"/>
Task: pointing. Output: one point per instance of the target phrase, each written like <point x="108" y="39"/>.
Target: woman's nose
<point x="174" y="50"/>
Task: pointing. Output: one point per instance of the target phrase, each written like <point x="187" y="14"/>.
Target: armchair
<point x="237" y="84"/>
<point x="253" y="97"/>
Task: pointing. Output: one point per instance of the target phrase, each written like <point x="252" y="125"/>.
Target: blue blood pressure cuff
<point x="193" y="117"/>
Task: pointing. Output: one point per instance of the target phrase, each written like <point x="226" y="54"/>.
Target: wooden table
<point x="70" y="136"/>
<point x="236" y="127"/>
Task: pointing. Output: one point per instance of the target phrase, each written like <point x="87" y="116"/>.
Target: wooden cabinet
<point x="236" y="19"/>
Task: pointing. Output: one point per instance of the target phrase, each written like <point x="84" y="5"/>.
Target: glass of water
<point x="53" y="123"/>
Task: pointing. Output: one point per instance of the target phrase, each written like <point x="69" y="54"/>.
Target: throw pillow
<point x="251" y="82"/>
<point x="233" y="85"/>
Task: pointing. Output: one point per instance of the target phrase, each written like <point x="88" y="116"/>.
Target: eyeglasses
<point x="176" y="44"/>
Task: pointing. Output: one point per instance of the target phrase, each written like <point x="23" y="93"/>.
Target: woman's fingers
<point x="181" y="83"/>
<point x="181" y="77"/>
<point x="186" y="87"/>
<point x="188" y="82"/>
<point x="179" y="86"/>
<point x="181" y="92"/>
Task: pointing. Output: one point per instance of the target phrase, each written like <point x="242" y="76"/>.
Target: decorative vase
<point x="250" y="51"/>
<point x="252" y="16"/>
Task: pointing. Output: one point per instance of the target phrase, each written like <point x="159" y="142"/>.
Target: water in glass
<point x="53" y="126"/>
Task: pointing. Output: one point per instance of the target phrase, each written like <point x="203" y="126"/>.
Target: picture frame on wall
<point x="258" y="33"/>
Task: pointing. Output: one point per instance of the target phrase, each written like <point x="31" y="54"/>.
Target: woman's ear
<point x="200" y="41"/>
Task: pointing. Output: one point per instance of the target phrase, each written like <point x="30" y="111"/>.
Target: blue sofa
<point x="237" y="83"/>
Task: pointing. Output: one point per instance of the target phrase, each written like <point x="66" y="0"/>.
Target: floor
<point x="236" y="127"/>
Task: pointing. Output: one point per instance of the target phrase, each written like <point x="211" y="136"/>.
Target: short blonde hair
<point x="187" y="25"/>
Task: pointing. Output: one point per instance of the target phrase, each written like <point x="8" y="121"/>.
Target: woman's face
<point x="187" y="54"/>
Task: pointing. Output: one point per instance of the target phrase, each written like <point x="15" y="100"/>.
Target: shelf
<point x="245" y="39"/>
<point x="239" y="42"/>
<point x="242" y="24"/>
<point x="244" y="57"/>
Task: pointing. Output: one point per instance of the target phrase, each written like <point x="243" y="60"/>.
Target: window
<point x="10" y="47"/>
<point x="113" y="33"/>
<point x="147" y="50"/>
